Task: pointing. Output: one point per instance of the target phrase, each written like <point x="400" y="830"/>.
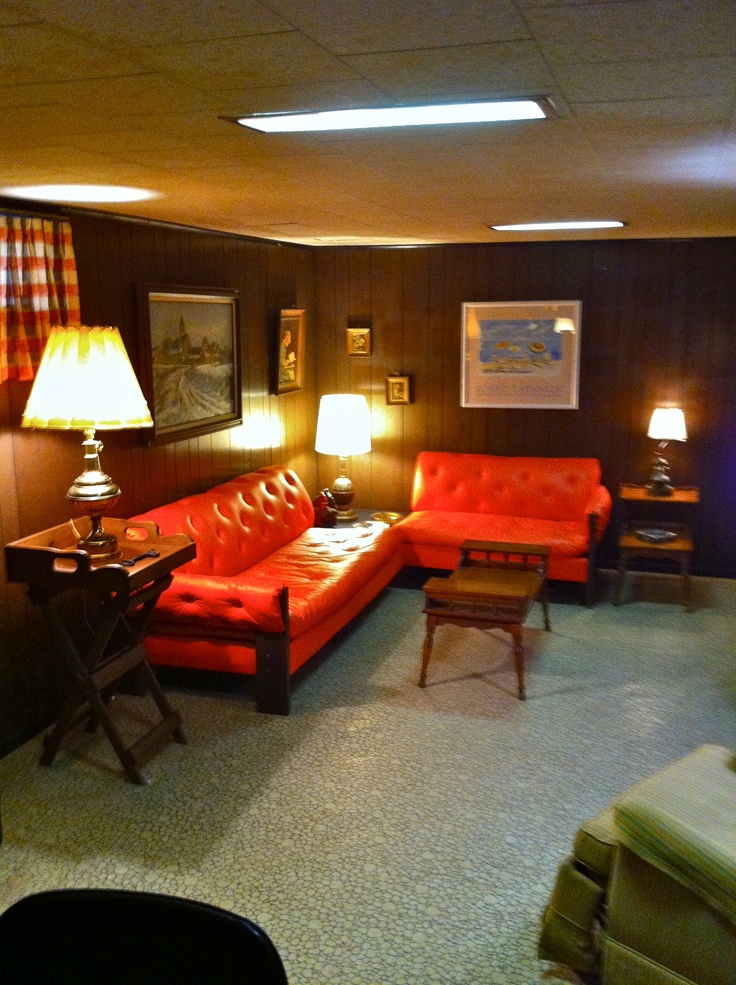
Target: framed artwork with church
<point x="190" y="360"/>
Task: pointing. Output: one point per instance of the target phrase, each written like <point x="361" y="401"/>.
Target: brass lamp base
<point x="343" y="493"/>
<point x="93" y="493"/>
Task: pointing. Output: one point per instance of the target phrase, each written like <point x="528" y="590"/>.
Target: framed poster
<point x="291" y="350"/>
<point x="190" y="360"/>
<point x="520" y="354"/>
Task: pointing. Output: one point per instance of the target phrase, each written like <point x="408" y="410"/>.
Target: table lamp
<point x="343" y="428"/>
<point x="85" y="381"/>
<point x="667" y="424"/>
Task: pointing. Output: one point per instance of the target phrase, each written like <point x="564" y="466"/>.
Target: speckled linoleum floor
<point x="384" y="834"/>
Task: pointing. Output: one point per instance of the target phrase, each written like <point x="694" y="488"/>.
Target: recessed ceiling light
<point x="399" y="116"/>
<point x="78" y="193"/>
<point x="529" y="227"/>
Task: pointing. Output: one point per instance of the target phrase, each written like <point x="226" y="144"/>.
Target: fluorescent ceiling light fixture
<point x="531" y="227"/>
<point x="400" y="116"/>
<point x="78" y="193"/>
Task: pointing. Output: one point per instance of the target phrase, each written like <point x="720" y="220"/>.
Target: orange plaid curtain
<point x="38" y="289"/>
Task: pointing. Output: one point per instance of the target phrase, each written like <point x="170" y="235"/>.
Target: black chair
<point x="122" y="937"/>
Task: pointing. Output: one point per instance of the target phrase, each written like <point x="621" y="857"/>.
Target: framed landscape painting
<point x="190" y="360"/>
<point x="521" y="354"/>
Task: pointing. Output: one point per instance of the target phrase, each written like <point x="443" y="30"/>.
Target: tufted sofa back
<point x="239" y="523"/>
<point x="546" y="488"/>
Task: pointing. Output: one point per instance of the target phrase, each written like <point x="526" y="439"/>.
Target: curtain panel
<point x="38" y="289"/>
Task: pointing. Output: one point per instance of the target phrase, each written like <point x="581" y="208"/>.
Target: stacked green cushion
<point x="682" y="820"/>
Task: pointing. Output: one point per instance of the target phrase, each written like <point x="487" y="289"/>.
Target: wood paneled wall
<point x="113" y="255"/>
<point x="658" y="324"/>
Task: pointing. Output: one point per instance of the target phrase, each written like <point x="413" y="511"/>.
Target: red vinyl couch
<point x="266" y="589"/>
<point x="559" y="502"/>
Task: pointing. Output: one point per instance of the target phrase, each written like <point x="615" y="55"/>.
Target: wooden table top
<point x="639" y="494"/>
<point x="485" y="585"/>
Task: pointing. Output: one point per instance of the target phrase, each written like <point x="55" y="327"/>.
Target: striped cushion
<point x="682" y="820"/>
<point x="595" y="844"/>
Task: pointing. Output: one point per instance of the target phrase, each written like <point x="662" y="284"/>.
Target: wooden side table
<point x="494" y="587"/>
<point x="123" y="593"/>
<point x="655" y="539"/>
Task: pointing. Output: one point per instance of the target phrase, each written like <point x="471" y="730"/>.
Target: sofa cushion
<point x="239" y="523"/>
<point x="595" y="844"/>
<point x="323" y="569"/>
<point x="682" y="820"/>
<point x="541" y="488"/>
<point x="567" y="538"/>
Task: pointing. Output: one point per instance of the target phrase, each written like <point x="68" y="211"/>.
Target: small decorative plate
<point x="654" y="535"/>
<point x="389" y="518"/>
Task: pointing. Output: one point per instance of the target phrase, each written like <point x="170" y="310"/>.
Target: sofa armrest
<point x="222" y="602"/>
<point x="600" y="506"/>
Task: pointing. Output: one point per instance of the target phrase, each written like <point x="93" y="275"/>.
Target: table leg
<point x="545" y="605"/>
<point x="427" y="649"/>
<point x="621" y="578"/>
<point x="517" y="633"/>
<point x="687" y="587"/>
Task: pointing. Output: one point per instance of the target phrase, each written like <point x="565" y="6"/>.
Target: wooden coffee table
<point x="494" y="587"/>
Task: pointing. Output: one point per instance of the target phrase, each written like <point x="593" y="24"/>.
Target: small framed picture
<point x="359" y="341"/>
<point x="398" y="390"/>
<point x="291" y="350"/>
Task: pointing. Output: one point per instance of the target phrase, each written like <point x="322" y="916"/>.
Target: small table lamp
<point x="343" y="428"/>
<point x="667" y="424"/>
<point x="85" y="381"/>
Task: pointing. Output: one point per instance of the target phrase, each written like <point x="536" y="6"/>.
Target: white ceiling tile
<point x="273" y="59"/>
<point x="400" y="25"/>
<point x="637" y="29"/>
<point x="477" y="71"/>
<point x="676" y="78"/>
<point x="139" y="22"/>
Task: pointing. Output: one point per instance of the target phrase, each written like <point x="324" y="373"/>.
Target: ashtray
<point x="654" y="535"/>
<point x="389" y="518"/>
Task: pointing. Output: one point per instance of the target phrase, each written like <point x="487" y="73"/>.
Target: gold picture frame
<point x="291" y="350"/>
<point x="190" y="344"/>
<point x="359" y="341"/>
<point x="398" y="389"/>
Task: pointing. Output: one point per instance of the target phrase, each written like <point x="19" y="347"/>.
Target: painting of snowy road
<point x="192" y="358"/>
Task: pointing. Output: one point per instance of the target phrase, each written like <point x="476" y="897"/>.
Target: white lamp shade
<point x="343" y="425"/>
<point x="667" y="424"/>
<point x="85" y="380"/>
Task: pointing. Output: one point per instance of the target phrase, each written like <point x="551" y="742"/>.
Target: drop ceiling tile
<point x="644" y="29"/>
<point x="678" y="78"/>
<point x="630" y="133"/>
<point x="33" y="53"/>
<point x="162" y="22"/>
<point x="298" y="98"/>
<point x="273" y="59"/>
<point x="708" y="110"/>
<point x="16" y="14"/>
<point x="149" y="93"/>
<point x="475" y="72"/>
<point x="397" y="25"/>
<point x="47" y="121"/>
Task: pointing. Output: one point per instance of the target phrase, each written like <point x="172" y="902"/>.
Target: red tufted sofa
<point x="266" y="589"/>
<point x="555" y="501"/>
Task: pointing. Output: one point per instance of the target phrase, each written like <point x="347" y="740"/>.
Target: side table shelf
<point x="676" y="545"/>
<point x="125" y="596"/>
